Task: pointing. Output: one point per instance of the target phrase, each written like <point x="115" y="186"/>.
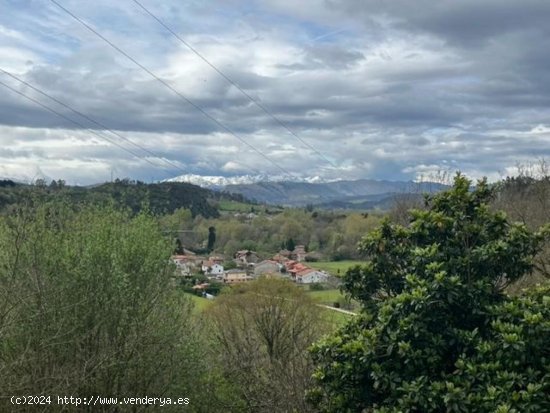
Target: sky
<point x="393" y="90"/>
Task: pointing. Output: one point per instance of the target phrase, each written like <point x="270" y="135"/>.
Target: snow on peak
<point x="221" y="181"/>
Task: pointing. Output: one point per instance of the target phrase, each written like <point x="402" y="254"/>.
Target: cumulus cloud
<point x="385" y="90"/>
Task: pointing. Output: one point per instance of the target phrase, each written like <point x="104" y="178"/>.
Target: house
<point x="185" y="264"/>
<point x="211" y="268"/>
<point x="246" y="257"/>
<point x="294" y="267"/>
<point x="302" y="274"/>
<point x="235" y="276"/>
<point x="267" y="267"/>
<point x="310" y="276"/>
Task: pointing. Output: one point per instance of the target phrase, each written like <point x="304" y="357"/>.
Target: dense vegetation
<point x="327" y="235"/>
<point x="438" y="333"/>
<point x="86" y="307"/>
<point x="159" y="198"/>
<point x="88" y="304"/>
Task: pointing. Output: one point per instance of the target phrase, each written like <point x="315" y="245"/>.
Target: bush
<point x="437" y="332"/>
<point x="316" y="287"/>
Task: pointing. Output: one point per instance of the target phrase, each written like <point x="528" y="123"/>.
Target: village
<point x="245" y="266"/>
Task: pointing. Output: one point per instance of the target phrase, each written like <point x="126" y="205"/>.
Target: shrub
<point x="437" y="332"/>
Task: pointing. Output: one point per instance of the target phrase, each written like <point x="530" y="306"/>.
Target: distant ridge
<point x="348" y="194"/>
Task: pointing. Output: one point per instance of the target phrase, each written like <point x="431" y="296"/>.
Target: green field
<point x="332" y="267"/>
<point x="234" y="206"/>
<point x="200" y="303"/>
<point x="329" y="297"/>
<point x="335" y="318"/>
<point x="326" y="296"/>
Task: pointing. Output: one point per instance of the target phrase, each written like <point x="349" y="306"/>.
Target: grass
<point x="329" y="297"/>
<point x="326" y="296"/>
<point x="334" y="267"/>
<point x="234" y="206"/>
<point x="200" y="303"/>
<point x="335" y="318"/>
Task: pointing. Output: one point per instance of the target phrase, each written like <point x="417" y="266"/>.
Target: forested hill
<point x="159" y="198"/>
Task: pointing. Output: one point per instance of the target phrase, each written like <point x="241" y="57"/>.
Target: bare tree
<point x="262" y="331"/>
<point x="526" y="198"/>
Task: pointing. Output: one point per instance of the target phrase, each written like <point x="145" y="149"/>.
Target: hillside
<point x="159" y="198"/>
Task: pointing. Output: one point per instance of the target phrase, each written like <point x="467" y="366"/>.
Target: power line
<point x="167" y="85"/>
<point x="75" y="122"/>
<point x="101" y="125"/>
<point x="91" y="120"/>
<point x="232" y="82"/>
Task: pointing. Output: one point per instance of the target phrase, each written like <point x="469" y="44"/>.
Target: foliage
<point x="526" y="198"/>
<point x="211" y="238"/>
<point x="316" y="287"/>
<point x="437" y="332"/>
<point x="86" y="306"/>
<point x="159" y="198"/>
<point x="327" y="234"/>
<point x="261" y="332"/>
<point x="290" y="245"/>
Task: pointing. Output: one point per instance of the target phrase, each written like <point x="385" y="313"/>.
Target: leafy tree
<point x="86" y="306"/>
<point x="438" y="333"/>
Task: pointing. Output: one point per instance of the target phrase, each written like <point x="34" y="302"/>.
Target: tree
<point x="526" y="198"/>
<point x="290" y="245"/>
<point x="211" y="238"/>
<point x="86" y="306"/>
<point x="179" y="247"/>
<point x="437" y="332"/>
<point x="261" y="332"/>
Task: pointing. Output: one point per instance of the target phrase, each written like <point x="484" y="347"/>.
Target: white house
<point x="310" y="276"/>
<point x="213" y="269"/>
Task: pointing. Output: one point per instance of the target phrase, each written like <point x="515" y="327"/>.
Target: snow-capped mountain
<point x="222" y="181"/>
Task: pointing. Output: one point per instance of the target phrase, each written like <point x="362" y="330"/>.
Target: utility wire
<point x="92" y="120"/>
<point x="232" y="82"/>
<point x="75" y="123"/>
<point x="103" y="126"/>
<point x="167" y="85"/>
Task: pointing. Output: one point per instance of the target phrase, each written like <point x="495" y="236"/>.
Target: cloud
<point x="385" y="90"/>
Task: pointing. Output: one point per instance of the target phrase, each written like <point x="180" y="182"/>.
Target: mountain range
<point x="348" y="194"/>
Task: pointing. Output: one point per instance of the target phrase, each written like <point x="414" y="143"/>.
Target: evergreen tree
<point x="290" y="245"/>
<point x="211" y="238"/>
<point x="437" y="332"/>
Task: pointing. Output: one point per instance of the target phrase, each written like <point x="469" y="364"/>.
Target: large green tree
<point x="438" y="333"/>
